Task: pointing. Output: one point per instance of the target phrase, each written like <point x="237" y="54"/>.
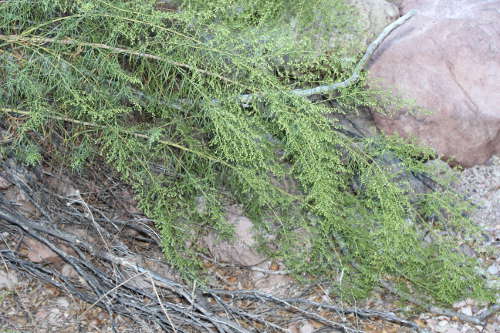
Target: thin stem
<point x="69" y="41"/>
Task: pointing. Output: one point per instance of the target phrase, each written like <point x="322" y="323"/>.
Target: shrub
<point x="155" y="94"/>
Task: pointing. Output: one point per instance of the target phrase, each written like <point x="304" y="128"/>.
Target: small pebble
<point x="443" y="323"/>
<point x="62" y="302"/>
<point x="466" y="311"/>
<point x="8" y="280"/>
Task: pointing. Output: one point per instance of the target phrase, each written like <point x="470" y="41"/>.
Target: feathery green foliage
<point x="155" y="93"/>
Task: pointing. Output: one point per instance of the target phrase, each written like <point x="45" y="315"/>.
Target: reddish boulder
<point x="446" y="59"/>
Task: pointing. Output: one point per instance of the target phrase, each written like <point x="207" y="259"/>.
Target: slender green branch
<point x="69" y="41"/>
<point x="245" y="99"/>
<point x="147" y="137"/>
<point x="135" y="134"/>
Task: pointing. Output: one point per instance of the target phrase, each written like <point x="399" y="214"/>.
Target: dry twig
<point x="177" y="308"/>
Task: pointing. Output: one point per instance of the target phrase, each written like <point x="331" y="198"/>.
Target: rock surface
<point x="241" y="250"/>
<point x="374" y="16"/>
<point x="447" y="60"/>
<point x="261" y="274"/>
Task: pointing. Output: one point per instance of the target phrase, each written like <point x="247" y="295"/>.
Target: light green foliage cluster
<point x="154" y="93"/>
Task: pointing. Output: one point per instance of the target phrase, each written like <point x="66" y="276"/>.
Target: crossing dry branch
<point x="166" y="302"/>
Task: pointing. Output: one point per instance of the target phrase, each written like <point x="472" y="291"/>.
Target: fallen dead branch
<point x="292" y="302"/>
<point x="108" y="273"/>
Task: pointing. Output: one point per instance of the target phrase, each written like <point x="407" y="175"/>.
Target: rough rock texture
<point x="261" y="274"/>
<point x="374" y="16"/>
<point x="481" y="184"/>
<point x="446" y="59"/>
<point x="241" y="251"/>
